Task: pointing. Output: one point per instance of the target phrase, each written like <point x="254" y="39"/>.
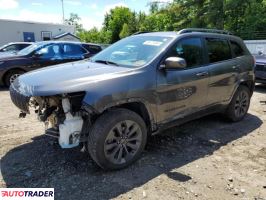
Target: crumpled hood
<point x="67" y="78"/>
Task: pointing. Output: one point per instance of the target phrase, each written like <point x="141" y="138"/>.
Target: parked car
<point x="43" y="54"/>
<point x="260" y="69"/>
<point x="138" y="87"/>
<point x="14" y="47"/>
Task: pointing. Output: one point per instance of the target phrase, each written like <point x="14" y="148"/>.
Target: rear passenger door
<point x="183" y="91"/>
<point x="223" y="70"/>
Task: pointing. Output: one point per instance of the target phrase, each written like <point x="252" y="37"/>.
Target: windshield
<point x="133" y="51"/>
<point x="30" y="49"/>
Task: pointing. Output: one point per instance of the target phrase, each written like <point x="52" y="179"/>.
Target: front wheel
<point x="117" y="139"/>
<point x="239" y="104"/>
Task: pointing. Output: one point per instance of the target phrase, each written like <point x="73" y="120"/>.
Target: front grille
<point x="21" y="101"/>
<point x="261" y="68"/>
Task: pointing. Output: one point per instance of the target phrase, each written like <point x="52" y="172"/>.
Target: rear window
<point x="218" y="49"/>
<point x="237" y="49"/>
<point x="93" y="49"/>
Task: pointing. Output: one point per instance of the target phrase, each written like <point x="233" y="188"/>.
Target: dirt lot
<point x="204" y="159"/>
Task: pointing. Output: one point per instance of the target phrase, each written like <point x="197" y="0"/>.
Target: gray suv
<point x="138" y="87"/>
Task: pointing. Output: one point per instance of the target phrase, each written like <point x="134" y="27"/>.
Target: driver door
<point x="47" y="56"/>
<point x="183" y="91"/>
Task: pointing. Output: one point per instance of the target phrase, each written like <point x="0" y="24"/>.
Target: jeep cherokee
<point x="138" y="87"/>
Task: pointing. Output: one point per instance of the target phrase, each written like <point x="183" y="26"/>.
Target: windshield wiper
<point x="106" y="62"/>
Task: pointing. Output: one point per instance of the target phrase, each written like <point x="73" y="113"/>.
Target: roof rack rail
<point x="140" y="32"/>
<point x="190" y="30"/>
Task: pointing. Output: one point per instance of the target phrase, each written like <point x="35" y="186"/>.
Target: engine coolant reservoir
<point x="71" y="127"/>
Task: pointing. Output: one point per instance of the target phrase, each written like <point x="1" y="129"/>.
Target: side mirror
<point x="175" y="63"/>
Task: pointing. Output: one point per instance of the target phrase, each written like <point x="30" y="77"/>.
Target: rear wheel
<point x="239" y="105"/>
<point x="11" y="76"/>
<point x="117" y="139"/>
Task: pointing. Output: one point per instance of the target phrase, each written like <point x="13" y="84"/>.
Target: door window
<point x="190" y="49"/>
<point x="73" y="51"/>
<point x="50" y="52"/>
<point x="237" y="49"/>
<point x="218" y="49"/>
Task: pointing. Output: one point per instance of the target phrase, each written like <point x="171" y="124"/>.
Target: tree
<point x="74" y="20"/>
<point x="125" y="31"/>
<point x="115" y="20"/>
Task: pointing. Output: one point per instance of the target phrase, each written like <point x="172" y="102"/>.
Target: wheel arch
<point x="138" y="106"/>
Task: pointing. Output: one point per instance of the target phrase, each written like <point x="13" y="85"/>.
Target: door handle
<point x="202" y="74"/>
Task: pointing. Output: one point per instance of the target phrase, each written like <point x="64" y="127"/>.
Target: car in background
<point x="260" y="68"/>
<point x="14" y="47"/>
<point x="43" y="54"/>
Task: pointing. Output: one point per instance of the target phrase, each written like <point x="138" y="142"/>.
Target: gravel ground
<point x="203" y="159"/>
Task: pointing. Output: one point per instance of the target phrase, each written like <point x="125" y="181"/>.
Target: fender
<point x="99" y="110"/>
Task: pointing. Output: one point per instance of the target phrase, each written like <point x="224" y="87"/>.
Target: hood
<point x="67" y="78"/>
<point x="6" y="56"/>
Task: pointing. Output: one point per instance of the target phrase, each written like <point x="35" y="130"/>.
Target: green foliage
<point x="124" y="32"/>
<point x="74" y="20"/>
<point x="245" y="18"/>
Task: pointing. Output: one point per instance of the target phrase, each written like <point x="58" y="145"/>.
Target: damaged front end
<point x="63" y="115"/>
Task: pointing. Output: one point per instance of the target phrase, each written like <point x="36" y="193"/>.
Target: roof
<point x="65" y="34"/>
<point x="62" y="41"/>
<point x="35" y="22"/>
<point x="174" y="34"/>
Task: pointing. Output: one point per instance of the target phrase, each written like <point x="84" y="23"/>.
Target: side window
<point x="218" y="49"/>
<point x="73" y="50"/>
<point x="190" y="49"/>
<point x="92" y="48"/>
<point x="51" y="51"/>
<point x="22" y="46"/>
<point x="237" y="49"/>
<point x="12" y="47"/>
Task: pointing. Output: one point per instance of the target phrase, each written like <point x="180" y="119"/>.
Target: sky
<point x="91" y="12"/>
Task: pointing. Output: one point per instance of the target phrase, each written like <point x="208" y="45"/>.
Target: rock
<point x="144" y="194"/>
<point x="129" y="196"/>
<point x="236" y="191"/>
<point x="209" y="186"/>
<point x="187" y="192"/>
<point x="196" y="195"/>
<point x="242" y="190"/>
<point x="230" y="186"/>
<point x="230" y="179"/>
<point x="264" y="186"/>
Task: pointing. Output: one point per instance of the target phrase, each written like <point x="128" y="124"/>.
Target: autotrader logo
<point x="27" y="193"/>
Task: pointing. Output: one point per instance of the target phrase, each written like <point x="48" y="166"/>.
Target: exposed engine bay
<point x="62" y="116"/>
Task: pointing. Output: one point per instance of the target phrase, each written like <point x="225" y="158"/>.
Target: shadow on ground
<point x="261" y="88"/>
<point x="73" y="174"/>
<point x="2" y="88"/>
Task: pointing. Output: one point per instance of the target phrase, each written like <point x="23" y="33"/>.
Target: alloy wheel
<point x="123" y="142"/>
<point x="241" y="104"/>
<point x="13" y="78"/>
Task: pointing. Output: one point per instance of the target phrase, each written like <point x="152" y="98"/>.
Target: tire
<point x="117" y="139"/>
<point x="239" y="105"/>
<point x="11" y="76"/>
